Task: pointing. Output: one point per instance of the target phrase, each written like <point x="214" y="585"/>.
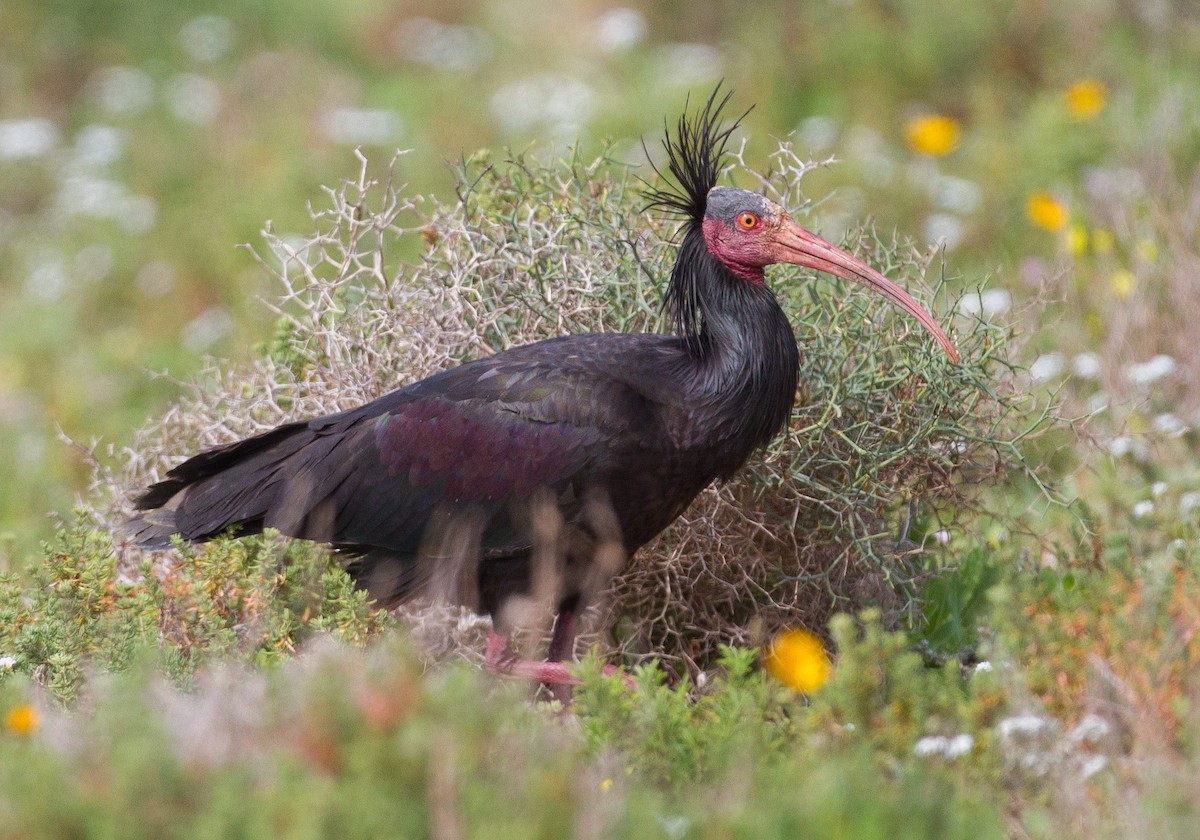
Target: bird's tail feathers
<point x="230" y="485"/>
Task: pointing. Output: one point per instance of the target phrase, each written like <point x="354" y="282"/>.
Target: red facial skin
<point x="749" y="242"/>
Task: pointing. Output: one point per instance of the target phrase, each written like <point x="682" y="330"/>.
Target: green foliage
<point x="340" y="745"/>
<point x="1086" y="616"/>
<point x="351" y="744"/>
<point x="672" y="734"/>
<point x="74" y="612"/>
<point x="955" y="601"/>
<point x="253" y="599"/>
<point x="885" y="693"/>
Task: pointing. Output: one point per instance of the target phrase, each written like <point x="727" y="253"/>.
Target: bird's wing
<point x="474" y="437"/>
<point x="478" y="437"/>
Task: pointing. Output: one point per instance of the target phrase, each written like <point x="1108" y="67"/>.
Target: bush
<point x="884" y="447"/>
<point x="342" y="742"/>
<point x="254" y="600"/>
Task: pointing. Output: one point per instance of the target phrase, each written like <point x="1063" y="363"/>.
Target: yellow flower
<point x="1122" y="282"/>
<point x="798" y="660"/>
<point x="1147" y="250"/>
<point x="21" y="720"/>
<point x="1086" y="98"/>
<point x="1046" y="211"/>
<point x="933" y="134"/>
<point x="606" y="785"/>
<point x="1077" y="239"/>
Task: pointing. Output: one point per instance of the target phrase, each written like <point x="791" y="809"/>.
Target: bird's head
<point x="746" y="232"/>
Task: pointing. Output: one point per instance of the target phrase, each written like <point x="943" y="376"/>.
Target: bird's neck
<point x="744" y="359"/>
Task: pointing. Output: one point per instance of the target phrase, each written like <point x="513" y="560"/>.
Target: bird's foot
<point x="503" y="661"/>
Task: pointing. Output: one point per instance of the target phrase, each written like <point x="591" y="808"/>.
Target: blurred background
<point x="1049" y="148"/>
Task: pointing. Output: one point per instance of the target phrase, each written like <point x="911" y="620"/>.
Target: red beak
<point x="799" y="247"/>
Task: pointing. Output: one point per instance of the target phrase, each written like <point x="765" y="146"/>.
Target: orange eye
<point x="747" y="221"/>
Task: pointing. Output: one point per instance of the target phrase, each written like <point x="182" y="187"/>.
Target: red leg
<point x="502" y="660"/>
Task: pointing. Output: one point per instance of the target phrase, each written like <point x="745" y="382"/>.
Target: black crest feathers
<point x="694" y="159"/>
<point x="694" y="156"/>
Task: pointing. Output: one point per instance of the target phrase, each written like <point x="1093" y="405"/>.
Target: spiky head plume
<point x="693" y="160"/>
<point x="694" y="156"/>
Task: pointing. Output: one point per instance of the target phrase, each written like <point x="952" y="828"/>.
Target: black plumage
<point x="619" y="431"/>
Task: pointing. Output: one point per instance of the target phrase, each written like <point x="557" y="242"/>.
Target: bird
<point x="598" y="439"/>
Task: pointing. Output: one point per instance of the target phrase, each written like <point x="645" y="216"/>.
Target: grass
<point x="1030" y="674"/>
<point x="185" y="658"/>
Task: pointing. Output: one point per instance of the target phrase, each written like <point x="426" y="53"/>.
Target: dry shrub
<point x="886" y="436"/>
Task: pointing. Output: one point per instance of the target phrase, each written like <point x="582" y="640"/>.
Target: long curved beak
<point x="800" y="247"/>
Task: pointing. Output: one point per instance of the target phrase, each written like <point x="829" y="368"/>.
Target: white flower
<point x="948" y="748"/>
<point x="944" y="230"/>
<point x="960" y="744"/>
<point x="956" y="194"/>
<point x="620" y="28"/>
<point x="989" y="302"/>
<point x="28" y="138"/>
<point x="102" y="198"/>
<point x="1046" y="366"/>
<point x="1149" y="372"/>
<point x="1113" y="185"/>
<point x="93" y="263"/>
<point x="687" y="65"/>
<point x="7" y="663"/>
<point x="983" y="667"/>
<point x="123" y="90"/>
<point x="361" y="126"/>
<point x="138" y="213"/>
<point x="675" y="825"/>
<point x="205" y="329"/>
<point x="194" y="98"/>
<point x="1097" y="402"/>
<point x="817" y="133"/>
<point x="931" y="745"/>
<point x="1021" y="725"/>
<point x="1143" y="509"/>
<point x="1126" y="445"/>
<point x="995" y="301"/>
<point x="1158" y="488"/>
<point x="98" y="145"/>
<point x="47" y="279"/>
<point x="207" y="37"/>
<point x="562" y="103"/>
<point x="1169" y="425"/>
<point x="442" y="46"/>
<point x="1092" y="765"/>
<point x="1087" y="366"/>
<point x="1090" y="729"/>
<point x="1189" y="501"/>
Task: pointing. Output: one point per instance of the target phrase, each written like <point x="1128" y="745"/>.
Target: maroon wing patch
<point x="477" y="452"/>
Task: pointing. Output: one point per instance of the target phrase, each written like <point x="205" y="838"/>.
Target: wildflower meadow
<point x="949" y="601"/>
